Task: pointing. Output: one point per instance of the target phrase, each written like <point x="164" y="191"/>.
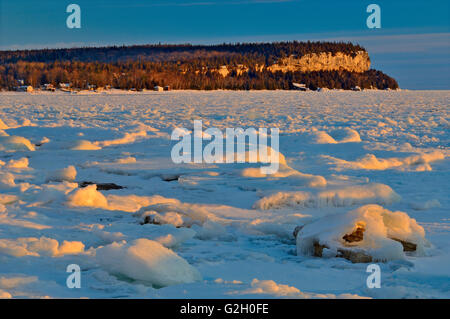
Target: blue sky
<point x="413" y="44"/>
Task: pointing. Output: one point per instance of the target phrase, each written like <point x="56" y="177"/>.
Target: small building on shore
<point x="158" y="88"/>
<point x="299" y="86"/>
<point x="25" y="88"/>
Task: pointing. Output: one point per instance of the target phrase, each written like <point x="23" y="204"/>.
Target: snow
<point x="148" y="261"/>
<point x="380" y="224"/>
<point x="377" y="159"/>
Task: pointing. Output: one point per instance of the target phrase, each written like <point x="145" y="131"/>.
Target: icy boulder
<point x="369" y="233"/>
<point x="66" y="174"/>
<point x="87" y="197"/>
<point x="147" y="261"/>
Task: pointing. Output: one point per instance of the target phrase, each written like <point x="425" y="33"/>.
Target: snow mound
<point x="369" y="233"/>
<point x="418" y="162"/>
<point x="285" y="171"/>
<point x="345" y="135"/>
<point x="83" y="145"/>
<point x="43" y="246"/>
<point x="346" y="196"/>
<point x="270" y="287"/>
<point x="3" y="126"/>
<point x="6" y="180"/>
<point x="128" y="138"/>
<point x="87" y="197"/>
<point x="15" y="143"/>
<point x="66" y="174"/>
<point x="18" y="164"/>
<point x="147" y="261"/>
<point x="176" y="213"/>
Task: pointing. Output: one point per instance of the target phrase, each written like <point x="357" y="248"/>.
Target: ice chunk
<point x="15" y="143"/>
<point x="369" y="233"/>
<point x="147" y="261"/>
<point x="87" y="197"/>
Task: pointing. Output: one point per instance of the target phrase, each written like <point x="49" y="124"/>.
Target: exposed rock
<point x="407" y="246"/>
<point x="101" y="186"/>
<point x="356" y="236"/>
<point x="354" y="256"/>
<point x="325" y="61"/>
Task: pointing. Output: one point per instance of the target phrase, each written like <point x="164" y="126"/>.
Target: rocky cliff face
<point x="324" y="61"/>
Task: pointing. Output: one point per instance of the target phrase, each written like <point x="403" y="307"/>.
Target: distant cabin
<point x="158" y="88"/>
<point x="167" y="88"/>
<point x="25" y="88"/>
<point x="300" y="86"/>
<point x="49" y="87"/>
<point x="64" y="85"/>
<point x="356" y="88"/>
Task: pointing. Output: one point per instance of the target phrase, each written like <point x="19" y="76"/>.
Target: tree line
<point x="181" y="67"/>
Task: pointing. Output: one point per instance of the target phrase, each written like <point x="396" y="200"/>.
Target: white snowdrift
<point x="126" y="139"/>
<point x="345" y="135"/>
<point x="347" y="196"/>
<point x="6" y="180"/>
<point x="270" y="287"/>
<point x="3" y="126"/>
<point x="285" y="171"/>
<point x="66" y="174"/>
<point x="43" y="246"/>
<point x="20" y="163"/>
<point x="419" y="162"/>
<point x="147" y="261"/>
<point x="83" y="145"/>
<point x="15" y="143"/>
<point x="382" y="233"/>
<point x="89" y="196"/>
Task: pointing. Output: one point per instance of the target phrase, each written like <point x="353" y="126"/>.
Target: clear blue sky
<point x="413" y="44"/>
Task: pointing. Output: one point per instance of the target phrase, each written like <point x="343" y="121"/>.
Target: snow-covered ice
<point x="89" y="180"/>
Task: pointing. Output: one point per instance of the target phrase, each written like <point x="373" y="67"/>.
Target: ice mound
<point x="6" y="180"/>
<point x="18" y="164"/>
<point x="347" y="196"/>
<point x="270" y="287"/>
<point x="419" y="162"/>
<point x="147" y="261"/>
<point x="43" y="246"/>
<point x="6" y="199"/>
<point x="3" y="126"/>
<point x="87" y="197"/>
<point x="128" y="138"/>
<point x="285" y="171"/>
<point x="345" y="135"/>
<point x="66" y="174"/>
<point x="369" y="233"/>
<point x="175" y="213"/>
<point x="83" y="145"/>
<point x="133" y="203"/>
<point x="176" y="238"/>
<point x="15" y="143"/>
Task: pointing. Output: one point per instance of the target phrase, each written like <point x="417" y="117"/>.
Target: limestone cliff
<point x="325" y="61"/>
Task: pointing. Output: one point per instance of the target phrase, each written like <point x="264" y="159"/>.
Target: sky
<point x="412" y="45"/>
